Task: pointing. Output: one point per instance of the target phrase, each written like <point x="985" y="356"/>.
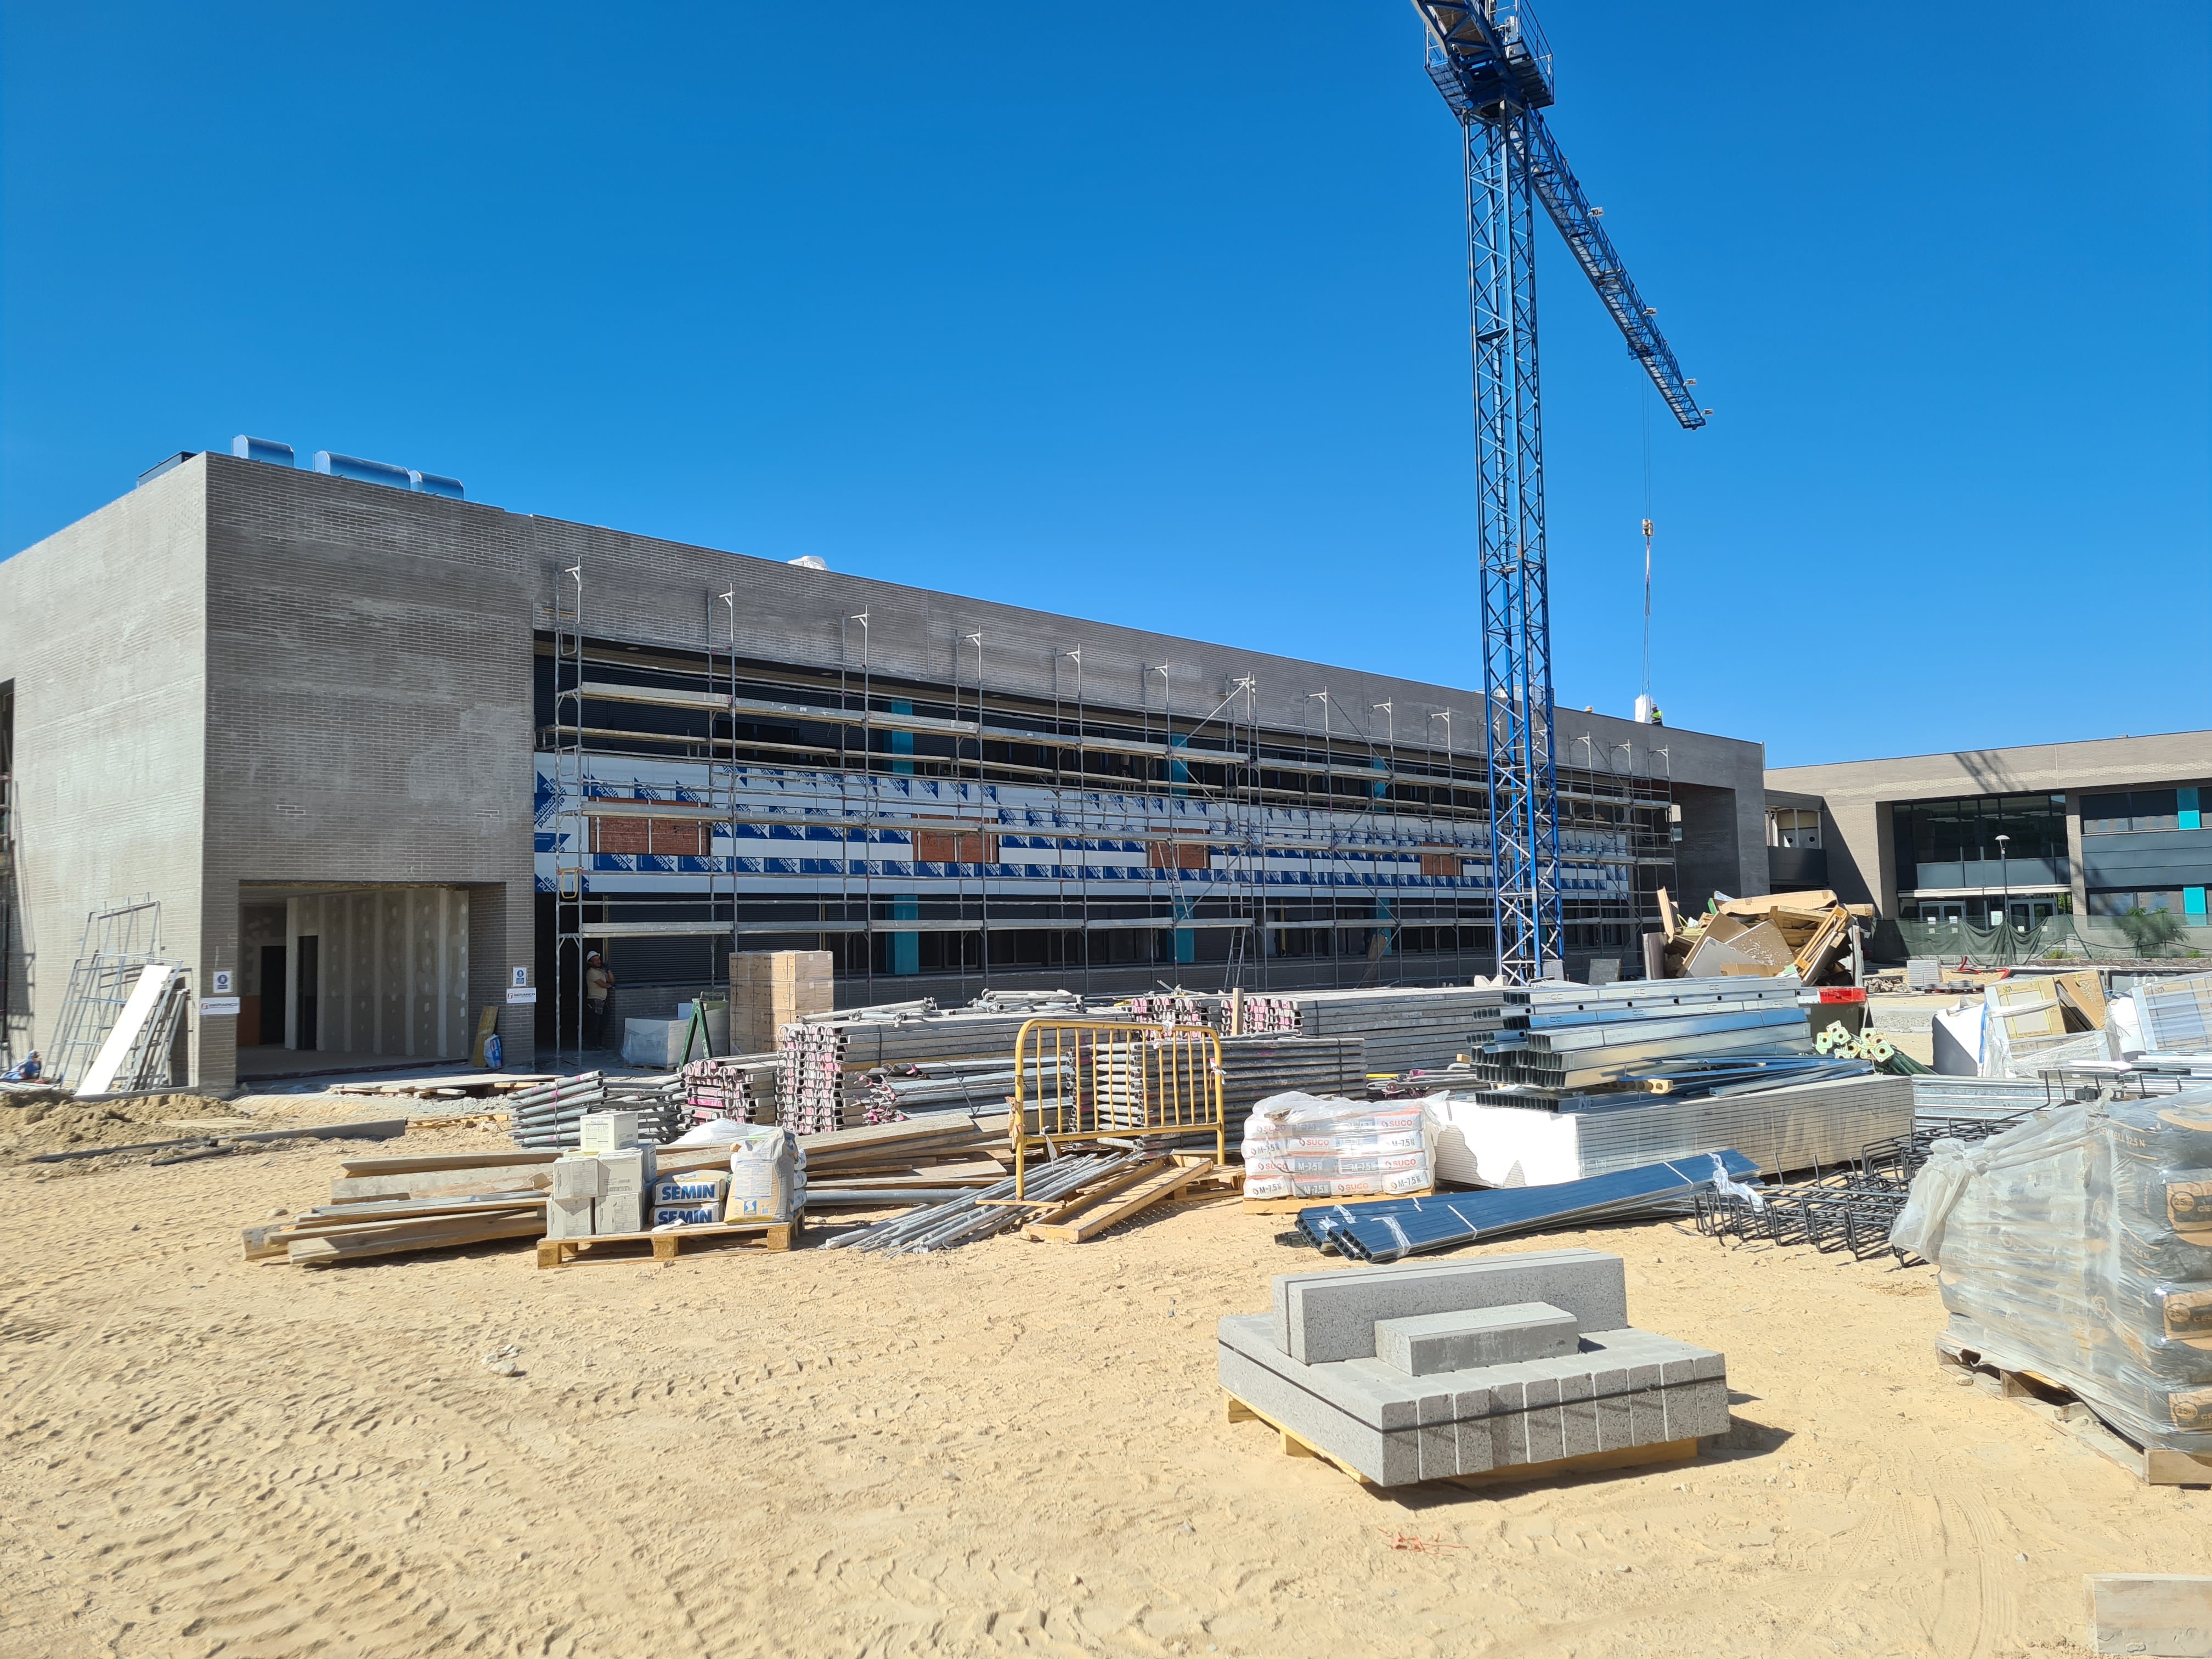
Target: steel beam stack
<point x="1402" y="1026"/>
<point x="1559" y="1039"/>
<point x="1255" y="1068"/>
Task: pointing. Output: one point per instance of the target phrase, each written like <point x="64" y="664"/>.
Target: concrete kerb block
<point x="577" y="1177"/>
<point x="1321" y="1317"/>
<point x="1429" y="1344"/>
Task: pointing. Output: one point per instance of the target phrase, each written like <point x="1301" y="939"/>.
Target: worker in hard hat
<point x="598" y="986"/>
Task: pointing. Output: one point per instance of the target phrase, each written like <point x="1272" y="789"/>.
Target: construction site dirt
<point x="1012" y="1447"/>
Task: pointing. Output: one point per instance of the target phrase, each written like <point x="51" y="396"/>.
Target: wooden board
<point x="1291" y="1205"/>
<point x="363" y="1167"/>
<point x="2065" y="1412"/>
<point x="665" y="1247"/>
<point x="497" y="1178"/>
<point x="273" y="1238"/>
<point x="1110" y="1209"/>
<point x="2168" y="1613"/>
<point x="1627" y="1457"/>
<point x="393" y="1238"/>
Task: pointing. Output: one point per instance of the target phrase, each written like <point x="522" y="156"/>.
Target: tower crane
<point x="1493" y="66"/>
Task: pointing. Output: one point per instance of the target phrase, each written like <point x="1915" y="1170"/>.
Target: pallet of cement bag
<point x="2063" y="1412"/>
<point x="667" y="1244"/>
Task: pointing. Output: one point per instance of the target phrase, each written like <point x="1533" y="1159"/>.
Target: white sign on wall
<point x="222" y="982"/>
<point x="522" y="977"/>
<point x="218" y="1007"/>
<point x="520" y="994"/>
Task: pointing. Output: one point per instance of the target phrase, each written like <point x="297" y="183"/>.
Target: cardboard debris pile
<point x="1807" y="933"/>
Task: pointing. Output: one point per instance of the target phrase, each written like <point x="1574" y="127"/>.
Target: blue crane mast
<point x="1493" y="64"/>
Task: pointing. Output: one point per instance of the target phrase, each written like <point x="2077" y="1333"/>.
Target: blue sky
<point x="1157" y="315"/>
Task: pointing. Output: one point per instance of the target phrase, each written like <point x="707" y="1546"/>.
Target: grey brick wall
<point x="102" y="631"/>
<point x="368" y="708"/>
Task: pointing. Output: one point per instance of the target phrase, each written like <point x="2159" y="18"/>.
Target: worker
<point x="598" y="986"/>
<point x="1657" y="718"/>
<point x="26" y="1070"/>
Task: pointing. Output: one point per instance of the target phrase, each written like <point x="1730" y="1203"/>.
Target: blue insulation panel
<point x="1386" y="1229"/>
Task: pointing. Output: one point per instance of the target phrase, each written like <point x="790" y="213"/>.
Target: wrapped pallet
<point x="1298" y="1145"/>
<point x="2079" y="1245"/>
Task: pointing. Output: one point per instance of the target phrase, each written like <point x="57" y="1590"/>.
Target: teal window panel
<point x="2192" y="901"/>
<point x="2189" y="816"/>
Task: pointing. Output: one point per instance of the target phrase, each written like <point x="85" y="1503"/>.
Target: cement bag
<point x="768" y="1176"/>
<point x="688" y="1201"/>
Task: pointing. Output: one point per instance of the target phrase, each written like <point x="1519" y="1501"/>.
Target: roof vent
<point x="436" y="483"/>
<point x="263" y="449"/>
<point x="352" y="466"/>
<point x="159" y="467"/>
<point x="808" y="561"/>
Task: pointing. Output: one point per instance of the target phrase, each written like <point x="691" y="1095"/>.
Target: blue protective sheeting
<point x="1386" y="1229"/>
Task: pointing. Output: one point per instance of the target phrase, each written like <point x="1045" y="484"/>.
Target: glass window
<point x="2104" y="815"/>
<point x="2153" y="808"/>
<point x="2113" y="902"/>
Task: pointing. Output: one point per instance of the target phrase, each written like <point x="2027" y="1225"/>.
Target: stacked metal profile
<point x="2176" y="1015"/>
<point x="991" y="1209"/>
<point x="1403" y="1026"/>
<point x="1815" y="1126"/>
<point x="1937" y="1098"/>
<point x="1181" y="1007"/>
<point x="1560" y="1039"/>
<point x="1255" y="1068"/>
<point x="938" y="1086"/>
<point x="549" y="1114"/>
<point x="822" y="1083"/>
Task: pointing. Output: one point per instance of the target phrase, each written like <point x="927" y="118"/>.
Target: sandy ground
<point x="1009" y="1448"/>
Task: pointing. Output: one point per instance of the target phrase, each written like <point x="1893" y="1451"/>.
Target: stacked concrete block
<point x="600" y="1192"/>
<point x="628" y="1177"/>
<point x="1353" y="1363"/>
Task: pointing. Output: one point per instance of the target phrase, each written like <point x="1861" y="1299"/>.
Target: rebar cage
<point x="1076" y="1080"/>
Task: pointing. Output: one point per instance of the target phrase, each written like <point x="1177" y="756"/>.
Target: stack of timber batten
<point x="388" y="1206"/>
<point x="1404" y="1027"/>
<point x="823" y="1082"/>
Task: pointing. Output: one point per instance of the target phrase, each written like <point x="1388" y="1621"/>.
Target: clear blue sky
<point x="1157" y="314"/>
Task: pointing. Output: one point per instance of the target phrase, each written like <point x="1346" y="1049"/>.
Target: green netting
<point x="2055" y="938"/>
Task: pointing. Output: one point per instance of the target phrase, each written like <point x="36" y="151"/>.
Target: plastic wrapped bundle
<point x="2079" y="1245"/>
<point x="1298" y="1145"/>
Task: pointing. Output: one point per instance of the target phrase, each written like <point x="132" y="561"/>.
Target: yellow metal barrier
<point x="1074" y="1080"/>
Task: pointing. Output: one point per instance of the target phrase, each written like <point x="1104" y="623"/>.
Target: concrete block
<point x="620" y="1213"/>
<point x="628" y="1172"/>
<point x="1610" y="1395"/>
<point x="1430" y="1344"/>
<point x="1321" y="1317"/>
<point x="579" y="1177"/>
<point x="568" y="1217"/>
<point x="607" y="1132"/>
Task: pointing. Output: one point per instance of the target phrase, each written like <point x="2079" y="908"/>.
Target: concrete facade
<point x="1857" y="800"/>
<point x="241" y="686"/>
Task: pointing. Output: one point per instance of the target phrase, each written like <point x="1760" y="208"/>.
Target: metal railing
<point x="1077" y="1081"/>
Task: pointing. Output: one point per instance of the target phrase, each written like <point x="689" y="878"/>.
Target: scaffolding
<point x="119" y="943"/>
<point x="1337" y="843"/>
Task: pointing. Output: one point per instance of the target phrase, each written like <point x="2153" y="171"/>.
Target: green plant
<point x="2149" y="931"/>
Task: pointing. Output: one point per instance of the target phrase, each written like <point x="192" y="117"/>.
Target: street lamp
<point x="2004" y="887"/>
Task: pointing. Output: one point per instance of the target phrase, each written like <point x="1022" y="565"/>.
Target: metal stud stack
<point x="822" y="1083"/>
<point x="1559" y="1039"/>
<point x="548" y="1115"/>
<point x="1403" y="1026"/>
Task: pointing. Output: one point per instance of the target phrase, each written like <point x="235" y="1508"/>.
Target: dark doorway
<point x="272" y="996"/>
<point x="310" y="977"/>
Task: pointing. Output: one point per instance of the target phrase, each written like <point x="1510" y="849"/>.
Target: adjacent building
<point x="389" y="761"/>
<point x="2090" y="830"/>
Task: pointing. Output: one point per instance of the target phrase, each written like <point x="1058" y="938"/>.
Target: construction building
<point x="385" y="758"/>
<point x="2041" y="838"/>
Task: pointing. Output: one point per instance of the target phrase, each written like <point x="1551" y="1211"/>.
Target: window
<point x="2118" y="901"/>
<point x="1966" y="831"/>
<point x="1793" y="826"/>
<point x="2137" y="809"/>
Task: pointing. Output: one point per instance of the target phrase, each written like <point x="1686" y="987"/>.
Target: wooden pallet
<point x="2064" y="1412"/>
<point x="1627" y="1457"/>
<point x="1291" y="1206"/>
<point x="666" y="1247"/>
